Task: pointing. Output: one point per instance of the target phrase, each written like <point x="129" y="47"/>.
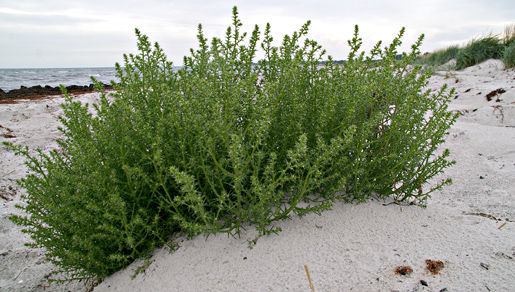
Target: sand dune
<point x="468" y="226"/>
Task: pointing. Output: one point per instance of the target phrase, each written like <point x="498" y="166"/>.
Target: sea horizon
<point x="14" y="78"/>
<point x="32" y="68"/>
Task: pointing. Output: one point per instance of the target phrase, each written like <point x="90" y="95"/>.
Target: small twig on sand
<point x="483" y="215"/>
<point x="10" y="172"/>
<point x="309" y="279"/>
<point x="398" y="203"/>
<point x="22" y="270"/>
<point x="500" y="109"/>
<point x="5" y="197"/>
<point x="9" y="132"/>
<point x="502" y="225"/>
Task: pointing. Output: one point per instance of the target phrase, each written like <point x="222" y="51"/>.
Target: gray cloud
<point x="55" y="33"/>
<point x="10" y="19"/>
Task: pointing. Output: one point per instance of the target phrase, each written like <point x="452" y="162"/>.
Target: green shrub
<point x="478" y="51"/>
<point x="224" y="142"/>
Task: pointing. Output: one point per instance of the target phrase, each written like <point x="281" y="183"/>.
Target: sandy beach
<point x="468" y="225"/>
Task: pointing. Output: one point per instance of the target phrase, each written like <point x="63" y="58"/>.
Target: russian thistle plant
<point x="226" y="142"/>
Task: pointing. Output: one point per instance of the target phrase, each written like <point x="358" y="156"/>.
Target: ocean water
<point x="14" y="78"/>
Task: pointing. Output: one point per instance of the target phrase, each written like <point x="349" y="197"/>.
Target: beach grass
<point x="439" y="57"/>
<point x="476" y="51"/>
<point x="509" y="41"/>
<point x="509" y="56"/>
<point x="479" y="50"/>
<point x="508" y="37"/>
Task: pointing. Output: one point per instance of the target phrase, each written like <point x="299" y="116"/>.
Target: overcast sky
<point x="90" y="33"/>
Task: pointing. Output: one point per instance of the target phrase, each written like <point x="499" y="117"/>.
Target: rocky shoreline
<point x="38" y="90"/>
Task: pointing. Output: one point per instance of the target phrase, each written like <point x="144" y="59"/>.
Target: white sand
<point x="351" y="247"/>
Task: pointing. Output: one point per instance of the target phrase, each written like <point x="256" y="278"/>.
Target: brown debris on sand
<point x="403" y="270"/>
<point x="434" y="266"/>
<point x="7" y="193"/>
<point x="494" y="93"/>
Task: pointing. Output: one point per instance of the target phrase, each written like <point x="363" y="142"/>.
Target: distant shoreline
<point x="38" y="91"/>
<point x="14" y="79"/>
<point x="57" y="68"/>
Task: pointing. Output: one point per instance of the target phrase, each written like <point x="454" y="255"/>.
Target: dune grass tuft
<point x="509" y="56"/>
<point x="479" y="50"/>
<point x="508" y="36"/>
<point x="476" y="51"/>
<point x="440" y="57"/>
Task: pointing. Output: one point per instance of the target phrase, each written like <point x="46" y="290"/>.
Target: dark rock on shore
<point x="38" y="90"/>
